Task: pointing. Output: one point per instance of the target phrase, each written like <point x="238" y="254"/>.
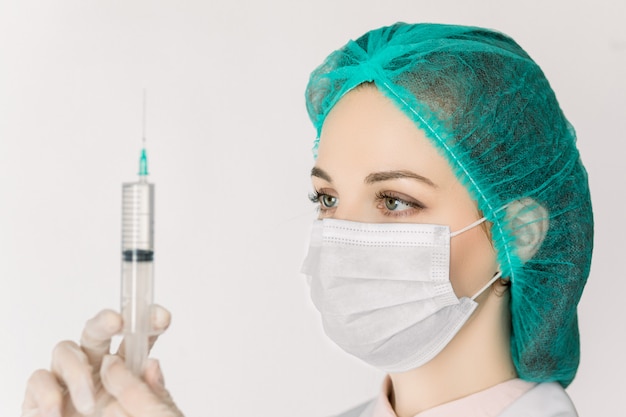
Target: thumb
<point x="154" y="378"/>
<point x="135" y="397"/>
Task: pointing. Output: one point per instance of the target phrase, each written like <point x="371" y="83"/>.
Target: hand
<point x="85" y="380"/>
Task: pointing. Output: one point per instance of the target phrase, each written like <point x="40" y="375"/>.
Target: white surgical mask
<point x="384" y="291"/>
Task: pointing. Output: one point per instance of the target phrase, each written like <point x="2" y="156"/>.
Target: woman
<point x="454" y="238"/>
<point x="447" y="125"/>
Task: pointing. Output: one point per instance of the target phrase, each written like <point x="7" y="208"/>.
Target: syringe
<point x="137" y="266"/>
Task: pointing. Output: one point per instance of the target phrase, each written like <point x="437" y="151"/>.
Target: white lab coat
<point x="544" y="400"/>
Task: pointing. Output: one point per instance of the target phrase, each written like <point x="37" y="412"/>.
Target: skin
<point x="374" y="165"/>
<point x="84" y="379"/>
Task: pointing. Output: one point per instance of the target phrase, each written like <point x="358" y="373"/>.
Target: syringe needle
<point x="145" y="109"/>
<point x="143" y="159"/>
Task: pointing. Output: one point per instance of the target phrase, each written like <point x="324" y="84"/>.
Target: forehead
<point x="365" y="132"/>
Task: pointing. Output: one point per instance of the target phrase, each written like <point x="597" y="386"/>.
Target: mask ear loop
<point x="468" y="227"/>
<point x="476" y="223"/>
<point x="491" y="281"/>
<point x="465" y="229"/>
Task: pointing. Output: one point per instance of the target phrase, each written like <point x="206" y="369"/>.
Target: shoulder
<point x="362" y="410"/>
<point x="547" y="399"/>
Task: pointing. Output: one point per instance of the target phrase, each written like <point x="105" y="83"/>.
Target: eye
<point x="325" y="201"/>
<point x="328" y="201"/>
<point x="394" y="204"/>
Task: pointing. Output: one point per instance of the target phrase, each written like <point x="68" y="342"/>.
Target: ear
<point x="529" y="221"/>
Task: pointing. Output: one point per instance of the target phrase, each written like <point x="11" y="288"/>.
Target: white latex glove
<point x="84" y="380"/>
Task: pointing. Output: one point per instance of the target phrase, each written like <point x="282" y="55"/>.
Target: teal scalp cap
<point x="489" y="110"/>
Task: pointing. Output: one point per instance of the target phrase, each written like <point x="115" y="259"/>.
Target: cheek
<point x="472" y="262"/>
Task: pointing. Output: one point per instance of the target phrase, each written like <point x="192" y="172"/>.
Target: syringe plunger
<point x="137" y="270"/>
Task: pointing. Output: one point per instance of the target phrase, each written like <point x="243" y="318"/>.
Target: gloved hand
<point x="85" y="380"/>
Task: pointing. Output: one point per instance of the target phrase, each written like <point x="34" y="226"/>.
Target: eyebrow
<point x="392" y="175"/>
<point x="377" y="176"/>
<point x="320" y="173"/>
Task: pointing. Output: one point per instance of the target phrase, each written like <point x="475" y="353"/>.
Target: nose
<point x="355" y="211"/>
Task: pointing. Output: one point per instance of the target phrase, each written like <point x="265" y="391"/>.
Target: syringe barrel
<point x="138" y="220"/>
<point x="137" y="270"/>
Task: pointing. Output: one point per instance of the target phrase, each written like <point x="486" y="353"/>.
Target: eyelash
<point x="415" y="205"/>
<point x="315" y="198"/>
<point x="380" y="198"/>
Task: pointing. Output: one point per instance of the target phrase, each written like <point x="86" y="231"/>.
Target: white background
<point x="229" y="146"/>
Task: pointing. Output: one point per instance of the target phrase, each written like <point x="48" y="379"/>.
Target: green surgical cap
<point x="488" y="108"/>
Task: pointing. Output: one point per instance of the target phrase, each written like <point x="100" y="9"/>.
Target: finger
<point x="44" y="395"/>
<point x="154" y="378"/>
<point x="96" y="338"/>
<point x="71" y="367"/>
<point x="161" y="319"/>
<point x="134" y="396"/>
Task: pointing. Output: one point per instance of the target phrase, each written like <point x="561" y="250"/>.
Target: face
<point x="375" y="166"/>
